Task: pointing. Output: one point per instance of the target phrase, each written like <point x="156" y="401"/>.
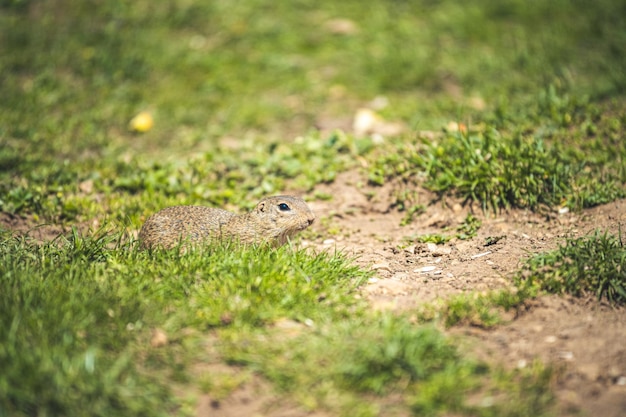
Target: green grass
<point x="67" y="345"/>
<point x="236" y="91"/>
<point x="216" y="178"/>
<point x="485" y="310"/>
<point x="354" y="366"/>
<point x="503" y="169"/>
<point x="76" y="314"/>
<point x="592" y="265"/>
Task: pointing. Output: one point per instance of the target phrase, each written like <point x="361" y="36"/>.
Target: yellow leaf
<point x="142" y="122"/>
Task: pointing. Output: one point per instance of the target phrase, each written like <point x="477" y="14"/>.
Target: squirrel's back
<point x="273" y="220"/>
<point x="196" y="223"/>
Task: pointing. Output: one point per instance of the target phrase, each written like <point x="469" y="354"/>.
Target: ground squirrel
<point x="274" y="220"/>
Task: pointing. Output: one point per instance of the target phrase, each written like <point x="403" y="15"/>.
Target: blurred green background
<point x="74" y="72"/>
<point x="228" y="83"/>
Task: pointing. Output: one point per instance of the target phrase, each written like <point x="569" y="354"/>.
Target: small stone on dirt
<point x="425" y="269"/>
<point x="410" y="249"/>
<point x="342" y="26"/>
<point x="438" y="250"/>
<point x="480" y="255"/>
<point x="383" y="266"/>
<point x="159" y="338"/>
<point x="86" y="186"/>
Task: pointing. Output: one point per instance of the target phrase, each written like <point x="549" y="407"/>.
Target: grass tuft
<point x="500" y="171"/>
<point x="591" y="265"/>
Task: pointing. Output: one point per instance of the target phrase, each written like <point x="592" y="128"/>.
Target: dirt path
<point x="584" y="338"/>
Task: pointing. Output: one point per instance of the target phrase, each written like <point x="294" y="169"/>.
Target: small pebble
<point x="438" y="250"/>
<point x="384" y="266"/>
<point x="425" y="269"/>
<point x="410" y="249"/>
<point x="159" y="338"/>
<point x="480" y="255"/>
<point x="614" y="372"/>
<point x="400" y="276"/>
<point x="487" y="402"/>
<point x="287" y="324"/>
<point x="342" y="26"/>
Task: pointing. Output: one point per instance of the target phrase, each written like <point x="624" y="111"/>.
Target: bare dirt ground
<point x="583" y="338"/>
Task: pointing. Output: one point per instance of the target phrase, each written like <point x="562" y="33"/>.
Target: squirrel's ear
<point x="261" y="206"/>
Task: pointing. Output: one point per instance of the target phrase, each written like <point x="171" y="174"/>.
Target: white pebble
<point x="480" y="255"/>
<point x="382" y="266"/>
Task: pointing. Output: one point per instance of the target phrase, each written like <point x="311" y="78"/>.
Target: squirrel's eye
<point x="284" y="207"/>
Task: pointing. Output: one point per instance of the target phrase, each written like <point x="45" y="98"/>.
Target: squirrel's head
<point x="284" y="216"/>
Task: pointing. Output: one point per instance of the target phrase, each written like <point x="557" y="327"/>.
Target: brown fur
<point x="267" y="223"/>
